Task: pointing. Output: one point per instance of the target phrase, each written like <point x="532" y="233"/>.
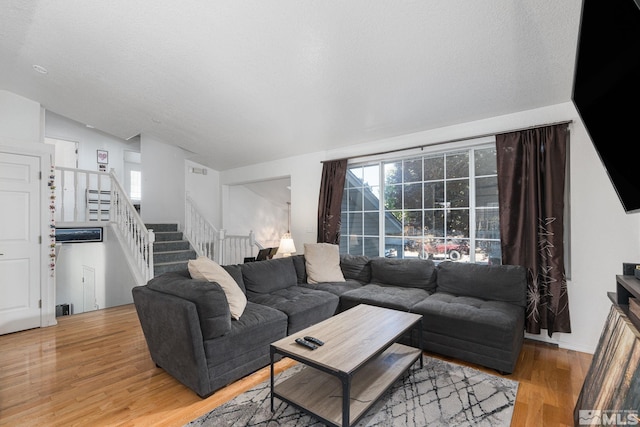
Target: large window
<point x="441" y="206"/>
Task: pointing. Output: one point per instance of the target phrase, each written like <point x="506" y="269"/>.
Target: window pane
<point x="433" y="168"/>
<point x="371" y="176"/>
<point x="371" y="224"/>
<point x="458" y="165"/>
<point x="487" y="192"/>
<point x="426" y="209"/>
<point x="413" y="223"/>
<point x="393" y="247"/>
<point x="413" y="196"/>
<point x="487" y="224"/>
<point x="355" y="199"/>
<point x="371" y="198"/>
<point x="458" y="193"/>
<point x="485" y="161"/>
<point x="355" y="244"/>
<point x="355" y="223"/>
<point x="458" y="223"/>
<point x="393" y="223"/>
<point x="412" y="170"/>
<point x="488" y="252"/>
<point x="393" y="197"/>
<point x="434" y="223"/>
<point x="433" y="194"/>
<point x="393" y="173"/>
<point x="354" y="177"/>
<point x="371" y="246"/>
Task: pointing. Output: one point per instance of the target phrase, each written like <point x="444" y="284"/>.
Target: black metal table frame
<point x="345" y="378"/>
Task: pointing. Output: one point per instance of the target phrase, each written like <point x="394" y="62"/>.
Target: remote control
<point x="314" y="340"/>
<point x="306" y="343"/>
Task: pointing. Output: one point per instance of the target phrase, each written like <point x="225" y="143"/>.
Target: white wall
<point x="89" y="141"/>
<point x="163" y="182"/>
<point x="204" y="190"/>
<point x="72" y="258"/>
<point x="304" y="172"/>
<point x="252" y="212"/>
<point x="602" y="235"/>
<point x="20" y="119"/>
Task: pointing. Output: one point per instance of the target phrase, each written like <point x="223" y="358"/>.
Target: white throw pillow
<point x="322" y="261"/>
<point x="204" y="268"/>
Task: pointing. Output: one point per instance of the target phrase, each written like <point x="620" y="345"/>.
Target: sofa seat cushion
<point x="383" y="296"/>
<point x="249" y="337"/>
<point x="303" y="306"/>
<point x="490" y="323"/>
<point x="336" y="288"/>
<point x="406" y="273"/>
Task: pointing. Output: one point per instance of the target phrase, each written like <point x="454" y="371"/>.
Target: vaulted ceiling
<point x="239" y="82"/>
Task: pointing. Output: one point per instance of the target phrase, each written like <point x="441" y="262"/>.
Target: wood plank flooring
<point x="94" y="369"/>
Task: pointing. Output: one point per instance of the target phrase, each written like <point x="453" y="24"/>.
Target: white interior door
<point x="89" y="288"/>
<point x="19" y="242"/>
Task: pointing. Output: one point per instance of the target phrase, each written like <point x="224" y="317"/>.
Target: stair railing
<point x="215" y="244"/>
<point x="82" y="195"/>
<point x="85" y="196"/>
<point x="131" y="229"/>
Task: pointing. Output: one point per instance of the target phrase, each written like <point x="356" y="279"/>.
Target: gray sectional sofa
<point x="470" y="312"/>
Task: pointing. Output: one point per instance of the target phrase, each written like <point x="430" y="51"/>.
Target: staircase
<point x="171" y="252"/>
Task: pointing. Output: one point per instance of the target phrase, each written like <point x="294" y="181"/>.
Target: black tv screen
<point x="606" y="90"/>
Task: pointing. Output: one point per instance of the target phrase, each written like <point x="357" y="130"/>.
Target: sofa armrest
<point x="172" y="331"/>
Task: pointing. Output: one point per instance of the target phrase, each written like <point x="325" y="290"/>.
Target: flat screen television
<point x="606" y="90"/>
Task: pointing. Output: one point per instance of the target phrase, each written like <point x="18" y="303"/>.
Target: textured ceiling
<point x="238" y="82"/>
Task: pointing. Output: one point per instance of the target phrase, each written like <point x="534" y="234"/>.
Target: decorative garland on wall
<point x="52" y="224"/>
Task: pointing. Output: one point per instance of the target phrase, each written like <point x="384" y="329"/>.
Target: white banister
<point x="131" y="228"/>
<point x="216" y="244"/>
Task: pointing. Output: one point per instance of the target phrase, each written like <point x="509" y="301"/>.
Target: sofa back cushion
<point x="235" y="271"/>
<point x="263" y="277"/>
<point x="301" y="269"/>
<point x="506" y="283"/>
<point x="356" y="267"/>
<point x="322" y="261"/>
<point x="408" y="273"/>
<point x="204" y="268"/>
<point x="209" y="298"/>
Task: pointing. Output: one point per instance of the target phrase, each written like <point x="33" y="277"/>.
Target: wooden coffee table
<point x="358" y="362"/>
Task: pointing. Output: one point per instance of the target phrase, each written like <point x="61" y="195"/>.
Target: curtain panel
<point x="531" y="181"/>
<point x="330" y="201"/>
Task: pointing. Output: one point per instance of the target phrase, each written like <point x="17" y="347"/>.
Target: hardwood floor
<point x="94" y="369"/>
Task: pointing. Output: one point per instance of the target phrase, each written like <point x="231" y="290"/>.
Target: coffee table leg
<point x="346" y="392"/>
<point x="271" y="355"/>
<point x="420" y="344"/>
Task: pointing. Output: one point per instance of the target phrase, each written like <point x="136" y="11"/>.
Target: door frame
<point x="47" y="276"/>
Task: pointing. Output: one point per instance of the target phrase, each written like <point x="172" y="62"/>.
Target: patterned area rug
<point x="440" y="394"/>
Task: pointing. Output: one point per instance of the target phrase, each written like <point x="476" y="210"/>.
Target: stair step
<point x="165" y="236"/>
<point x="171" y="256"/>
<point x="171" y="245"/>
<point x="165" y="267"/>
<point x="162" y="227"/>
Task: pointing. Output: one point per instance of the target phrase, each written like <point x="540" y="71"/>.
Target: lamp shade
<point x="287" y="247"/>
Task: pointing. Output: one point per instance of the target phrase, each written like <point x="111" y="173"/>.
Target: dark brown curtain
<point x="330" y="201"/>
<point x="531" y="180"/>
